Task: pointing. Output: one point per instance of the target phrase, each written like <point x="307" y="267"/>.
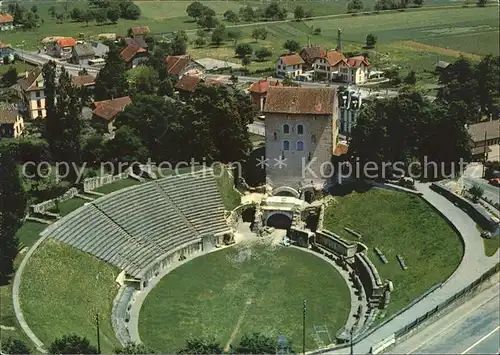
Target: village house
<point x="63" y="47"/>
<point x="355" y="70"/>
<point x="187" y="84"/>
<point x="100" y="50"/>
<point x="138" y="31"/>
<point x="289" y="66"/>
<point x="301" y="131"/>
<point x="11" y="122"/>
<point x="87" y="81"/>
<point x="134" y="55"/>
<point x="328" y="66"/>
<point x="310" y="53"/>
<point x="82" y="53"/>
<point x="105" y="112"/>
<point x="485" y="137"/>
<point x="137" y="40"/>
<point x="179" y="65"/>
<point x="258" y="92"/>
<point x="5" y="50"/>
<point x="6" y="22"/>
<point x="31" y="90"/>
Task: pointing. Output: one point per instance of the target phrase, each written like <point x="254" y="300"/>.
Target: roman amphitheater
<point x="181" y="264"/>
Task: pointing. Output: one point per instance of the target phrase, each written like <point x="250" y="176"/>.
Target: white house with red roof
<point x="355" y="70"/>
<point x="327" y="67"/>
<point x="6" y="22"/>
<point x="334" y="66"/>
<point x="63" y="47"/>
<point x="289" y="66"/>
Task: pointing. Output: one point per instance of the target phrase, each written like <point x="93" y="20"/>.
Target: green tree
<point x="59" y="18"/>
<point x="131" y="11"/>
<point x="111" y="81"/>
<point x="243" y="49"/>
<point x="72" y="344"/>
<point x="354" y="6"/>
<point x="299" y="13"/>
<point x="218" y="34"/>
<point x="289" y="82"/>
<point x="10" y="76"/>
<point x="201" y="346"/>
<point x="393" y="76"/>
<point x="476" y="192"/>
<point x="87" y="16"/>
<point x="76" y="14"/>
<point x="15" y="346"/>
<point x="234" y="35"/>
<point x="262" y="53"/>
<point x="133" y="348"/>
<point x="113" y="14"/>
<point x="166" y="88"/>
<point x="200" y="41"/>
<point x="245" y="61"/>
<point x="208" y="21"/>
<point x="317" y="31"/>
<point x="247" y="13"/>
<point x="126" y="146"/>
<point x="195" y="10"/>
<point x="411" y="78"/>
<point x="275" y="12"/>
<point x="231" y="16"/>
<point x="487" y="73"/>
<point x="233" y="79"/>
<point x="144" y="79"/>
<point x="256" y="343"/>
<point x="371" y="40"/>
<point x="291" y="45"/>
<point x="100" y="16"/>
<point x="418" y="2"/>
<point x="94" y="150"/>
<point x="178" y="44"/>
<point x="482" y="3"/>
<point x="259" y="33"/>
<point x="30" y="21"/>
<point x="12" y="211"/>
<point x="52" y="11"/>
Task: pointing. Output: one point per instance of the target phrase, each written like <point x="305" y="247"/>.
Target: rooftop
<point x="334" y="57"/>
<point x="83" y="80"/>
<point x="6" y="18"/>
<point x="357" y="61"/>
<point x="477" y="131"/>
<point x="66" y="42"/>
<point x="188" y="83"/>
<point x="130" y="51"/>
<point x="8" y="114"/>
<point x="84" y="50"/>
<point x="176" y="63"/>
<point x="138" y="41"/>
<point x="261" y="86"/>
<point x="108" y="109"/>
<point x="28" y="82"/>
<point x="292" y="59"/>
<point x="139" y="30"/>
<point x="315" y="101"/>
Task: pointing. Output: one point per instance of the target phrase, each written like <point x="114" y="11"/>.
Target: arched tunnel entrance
<point x="279" y="221"/>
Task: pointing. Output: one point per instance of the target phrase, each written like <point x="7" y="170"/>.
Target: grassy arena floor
<point x="61" y="291"/>
<point x="399" y="223"/>
<point x="261" y="289"/>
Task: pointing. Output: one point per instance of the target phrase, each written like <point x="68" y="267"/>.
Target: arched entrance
<point x="286" y="191"/>
<point x="308" y="196"/>
<point x="248" y="215"/>
<point x="279" y="221"/>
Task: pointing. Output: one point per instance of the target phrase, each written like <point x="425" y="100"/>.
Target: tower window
<point x="286" y="129"/>
<point x="300" y="129"/>
<point x="300" y="145"/>
<point x="286" y="145"/>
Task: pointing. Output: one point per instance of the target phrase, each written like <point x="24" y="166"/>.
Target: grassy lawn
<point x="476" y="42"/>
<point x="61" y="291"/>
<point x="491" y="246"/>
<point x="21" y="67"/>
<point x="261" y="289"/>
<point x="70" y="205"/>
<point x="230" y="197"/>
<point x="399" y="223"/>
<point x="117" y="185"/>
<point x="28" y="234"/>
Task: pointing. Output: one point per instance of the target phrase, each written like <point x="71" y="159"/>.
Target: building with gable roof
<point x="134" y="55"/>
<point x="310" y="53"/>
<point x="82" y="52"/>
<point x="11" y="122"/>
<point x="138" y="31"/>
<point x="63" y="47"/>
<point x="179" y="65"/>
<point x="6" y="22"/>
<point x="105" y="112"/>
<point x="328" y="66"/>
<point x="31" y="90"/>
<point x="301" y="133"/>
<point x="289" y="66"/>
<point x="258" y="92"/>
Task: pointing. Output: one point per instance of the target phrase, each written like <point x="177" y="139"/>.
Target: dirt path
<point x="439" y="50"/>
<point x="238" y="324"/>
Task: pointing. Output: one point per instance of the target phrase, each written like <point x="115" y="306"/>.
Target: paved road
<point x="473" y="176"/>
<point x="40" y="59"/>
<point x="472" y="328"/>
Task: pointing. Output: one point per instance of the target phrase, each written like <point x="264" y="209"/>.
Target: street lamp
<point x="304" y="327"/>
<point x="350" y="333"/>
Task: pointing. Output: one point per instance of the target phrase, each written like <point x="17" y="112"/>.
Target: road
<point x="472" y="328"/>
<point x="41" y="59"/>
<point x="473" y="176"/>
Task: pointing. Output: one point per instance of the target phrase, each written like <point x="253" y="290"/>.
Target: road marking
<point x="480" y="340"/>
<point x="452" y="324"/>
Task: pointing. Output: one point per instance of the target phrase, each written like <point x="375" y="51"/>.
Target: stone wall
<point x="92" y="183"/>
<point x="45" y="206"/>
<point x="368" y="275"/>
<point x="335" y="243"/>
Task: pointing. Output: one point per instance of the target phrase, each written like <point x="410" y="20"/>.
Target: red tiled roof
<point x="261" y="86"/>
<point x="5" y="45"/>
<point x="8" y="113"/>
<point x="341" y="149"/>
<point x="139" y="30"/>
<point x="176" y="63"/>
<point x="108" y="109"/>
<point x="334" y="57"/>
<point x="314" y="101"/>
<point x="478" y="130"/>
<point x="187" y="83"/>
<point x="6" y="18"/>
<point x="28" y="82"/>
<point x="130" y="51"/>
<point x="66" y="42"/>
<point x="292" y="59"/>
<point x="356" y="61"/>
<point x="310" y="53"/>
<point x="83" y="80"/>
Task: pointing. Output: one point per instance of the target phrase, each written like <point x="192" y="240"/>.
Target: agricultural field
<point x="61" y="291"/>
<point x="244" y="289"/>
<point x="399" y="223"/>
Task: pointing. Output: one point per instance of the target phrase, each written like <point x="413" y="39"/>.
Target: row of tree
<point x="355" y="6"/>
<point x="255" y="343"/>
<point x="28" y="19"/>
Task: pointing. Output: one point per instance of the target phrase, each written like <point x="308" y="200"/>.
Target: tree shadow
<point x="348" y="188"/>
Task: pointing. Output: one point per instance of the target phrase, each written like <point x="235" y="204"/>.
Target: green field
<point x="399" y="223"/>
<point x="62" y="289"/>
<point x="117" y="185"/>
<point x="230" y="197"/>
<point x="244" y="290"/>
<point x="476" y="42"/>
<point x="29" y="232"/>
<point x="70" y="205"/>
<point x="491" y="246"/>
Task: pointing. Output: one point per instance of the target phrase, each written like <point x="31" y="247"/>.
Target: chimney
<point x="26" y="74"/>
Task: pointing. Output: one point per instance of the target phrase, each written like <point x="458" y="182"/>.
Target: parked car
<point x="494" y="181"/>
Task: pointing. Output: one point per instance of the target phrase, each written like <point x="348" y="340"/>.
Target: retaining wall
<point x="45" y="206"/>
<point x="93" y="183"/>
